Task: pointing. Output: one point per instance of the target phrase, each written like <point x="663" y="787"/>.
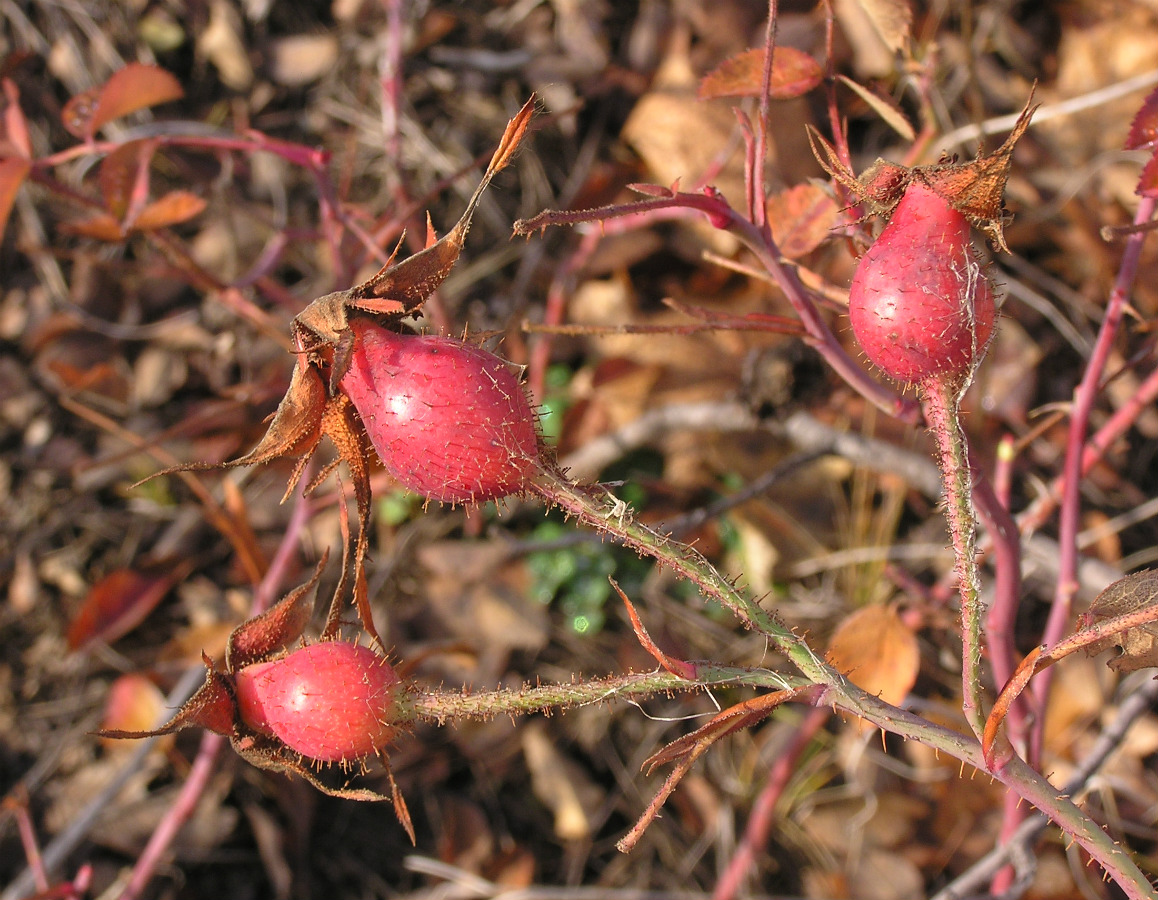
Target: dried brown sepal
<point x="269" y="753"/>
<point x="212" y="707"/>
<point x="831" y="162"/>
<point x="399" y="289"/>
<point x="314" y="407"/>
<point x="294" y="430"/>
<point x="342" y="426"/>
<point x="264" y="636"/>
<point x="975" y="189"/>
<point x="401" y="810"/>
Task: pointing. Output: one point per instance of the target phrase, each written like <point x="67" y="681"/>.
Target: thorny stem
<point x="613" y="518"/>
<point x="440" y="706"/>
<point x="942" y="413"/>
<point x="598" y="508"/>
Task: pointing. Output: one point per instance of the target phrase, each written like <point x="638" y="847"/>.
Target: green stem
<point x="942" y="410"/>
<point x="597" y="508"/>
<point x="439" y="706"/>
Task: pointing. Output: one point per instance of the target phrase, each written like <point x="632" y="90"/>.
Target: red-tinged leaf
<point x="744" y="714"/>
<point x="794" y="73"/>
<point x="1148" y="179"/>
<point x="14" y="139"/>
<point x="172" y="209"/>
<point x="136" y="86"/>
<point x="13" y="171"/>
<point x="119" y="173"/>
<point x="78" y="113"/>
<point x="802" y="218"/>
<point x="119" y="602"/>
<point x="100" y="227"/>
<point x="1144" y="128"/>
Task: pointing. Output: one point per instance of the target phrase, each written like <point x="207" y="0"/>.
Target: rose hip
<point x="329" y="701"/>
<point x="920" y="305"/>
<point x="450" y="421"/>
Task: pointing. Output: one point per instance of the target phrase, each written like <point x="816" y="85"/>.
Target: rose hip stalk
<point x="922" y="310"/>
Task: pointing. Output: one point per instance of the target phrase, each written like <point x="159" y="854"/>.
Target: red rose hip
<point x="330" y="701"/>
<point x="450" y="421"/>
<point x="920" y="304"/>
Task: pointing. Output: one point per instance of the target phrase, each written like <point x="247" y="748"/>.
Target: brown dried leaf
<point x="136" y="86"/>
<point x="883" y="107"/>
<point x="1135" y="593"/>
<point x="891" y="19"/>
<point x="564" y="788"/>
<point x="801" y="218"/>
<point x="877" y="652"/>
<point x="794" y="73"/>
<point x="119" y="602"/>
<point x="171" y="209"/>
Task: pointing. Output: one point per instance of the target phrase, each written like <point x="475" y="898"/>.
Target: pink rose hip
<point x="330" y="701"/>
<point x="450" y="421"/>
<point x="920" y="305"/>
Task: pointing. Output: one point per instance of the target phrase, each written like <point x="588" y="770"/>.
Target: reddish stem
<point x="760" y="820"/>
<point x="176" y="816"/>
<point x="1069" y="522"/>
